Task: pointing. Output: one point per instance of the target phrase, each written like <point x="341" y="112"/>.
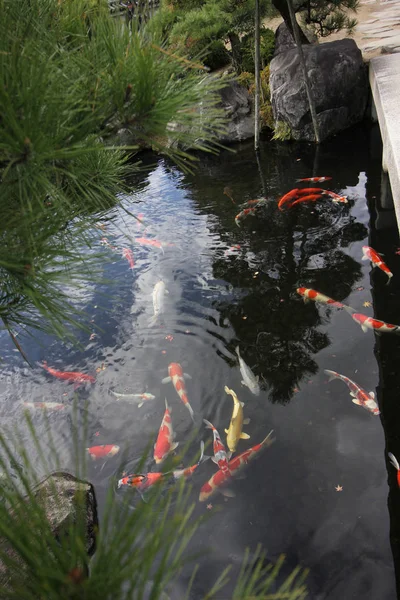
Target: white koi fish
<point x="249" y="379"/>
<point x="158" y="294"/>
<point x="177" y="376"/>
<point x="138" y="399"/>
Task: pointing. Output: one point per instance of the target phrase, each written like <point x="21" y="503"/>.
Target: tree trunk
<point x="236" y="52"/>
<point x="257" y="75"/>
<point x="282" y="7"/>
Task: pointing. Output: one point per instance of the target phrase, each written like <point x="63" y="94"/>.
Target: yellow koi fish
<point x="234" y="433"/>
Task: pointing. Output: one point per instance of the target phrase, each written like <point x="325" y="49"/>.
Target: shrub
<point x="267" y="47"/>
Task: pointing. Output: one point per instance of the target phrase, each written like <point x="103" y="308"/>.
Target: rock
<point x="238" y="106"/>
<point x="284" y="40"/>
<point x="57" y="494"/>
<point x="338" y="81"/>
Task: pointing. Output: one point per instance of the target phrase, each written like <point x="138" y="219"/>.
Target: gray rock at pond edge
<point x="339" y="84"/>
<point x="284" y="40"/>
<point x="57" y="494"/>
<point x="236" y="101"/>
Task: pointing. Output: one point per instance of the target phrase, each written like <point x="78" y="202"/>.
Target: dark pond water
<point x="219" y="299"/>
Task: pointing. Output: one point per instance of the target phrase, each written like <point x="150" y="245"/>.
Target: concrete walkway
<point x="384" y="76"/>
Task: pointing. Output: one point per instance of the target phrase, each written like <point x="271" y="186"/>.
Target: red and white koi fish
<point x="140" y="482"/>
<point x="69" y="375"/>
<point x="374" y="324"/>
<point x="177" y="376"/>
<point x="289" y="197"/>
<point x="107" y="451"/>
<point x="308" y="198"/>
<point x="45" y="405"/>
<point x="314" y="179"/>
<point x="309" y="294"/>
<point x="396" y="465"/>
<point x="371" y="254"/>
<point x="243" y="214"/>
<point x="165" y="440"/>
<point x="128" y="254"/>
<point x="306" y="191"/>
<point x="335" y="197"/>
<point x="220" y="457"/>
<point x="359" y="396"/>
<point x="188" y="472"/>
<point x="219" y="479"/>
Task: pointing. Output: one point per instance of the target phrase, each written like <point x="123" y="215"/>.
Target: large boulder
<point x="339" y="86"/>
<point x="284" y="40"/>
<point x="238" y="106"/>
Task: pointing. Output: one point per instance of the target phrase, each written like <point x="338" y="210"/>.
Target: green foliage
<point x="204" y="21"/>
<point x="141" y="549"/>
<point x="248" y="80"/>
<point x="282" y="132"/>
<point x="267" y="47"/>
<point x="329" y="17"/>
<point x="71" y="77"/>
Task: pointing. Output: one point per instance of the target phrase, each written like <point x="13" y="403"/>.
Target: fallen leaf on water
<point x="209" y="506"/>
<point x="98" y="370"/>
<point x="397" y="251"/>
<point x="97" y="433"/>
<point x="339" y="488"/>
<point x="163" y="352"/>
<point x="295" y="390"/>
<point x="360" y="288"/>
<point x="366" y="303"/>
<point x="244" y="318"/>
<point x="169" y="338"/>
<point x="92" y="336"/>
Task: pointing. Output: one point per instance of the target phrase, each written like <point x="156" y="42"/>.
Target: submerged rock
<point x="338" y="81"/>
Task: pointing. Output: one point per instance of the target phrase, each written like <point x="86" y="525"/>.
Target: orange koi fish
<point x="309" y="198"/>
<point x="165" y="440"/>
<point x="306" y="191"/>
<point x="314" y="179"/>
<point x="128" y="254"/>
<point x="220" y="457"/>
<point x="96" y="452"/>
<point x="219" y="479"/>
<point x="371" y="254"/>
<point x="396" y="465"/>
<point x="177" y="376"/>
<point x="374" y="324"/>
<point x="289" y="197"/>
<point x="188" y="472"/>
<point x="359" y="396"/>
<point x="140" y="482"/>
<point x="243" y="214"/>
<point x="309" y="294"/>
<point x="335" y="197"/>
<point x="69" y="375"/>
<point x="45" y="405"/>
<point x="148" y="242"/>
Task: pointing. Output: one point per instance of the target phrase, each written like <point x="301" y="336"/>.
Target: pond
<point x="320" y="492"/>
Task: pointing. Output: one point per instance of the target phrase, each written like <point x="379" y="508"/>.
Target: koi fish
<point x="69" y="375"/>
<point x="306" y="191"/>
<point x="228" y="192"/>
<point x="165" y="440"/>
<point x="309" y="294"/>
<point x="370" y="254"/>
<point x="249" y="379"/>
<point x="235" y="433"/>
<point x="140" y="399"/>
<point x="177" y="376"/>
<point x="139" y="220"/>
<point x="289" y="197"/>
<point x="219" y="479"/>
<point x="335" y="197"/>
<point x="314" y="179"/>
<point x="255" y="202"/>
<point x="45" y="405"/>
<point x="140" y="482"/>
<point x="148" y="242"/>
<point x="188" y="472"/>
<point x="96" y="452"/>
<point x="374" y="324"/>
<point x="309" y="198"/>
<point x="128" y="254"/>
<point x="220" y="457"/>
<point x="396" y="465"/>
<point x="243" y="214"/>
<point x="158" y="301"/>
<point x="359" y="396"/>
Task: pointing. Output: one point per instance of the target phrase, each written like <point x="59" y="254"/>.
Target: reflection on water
<point x="230" y="286"/>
